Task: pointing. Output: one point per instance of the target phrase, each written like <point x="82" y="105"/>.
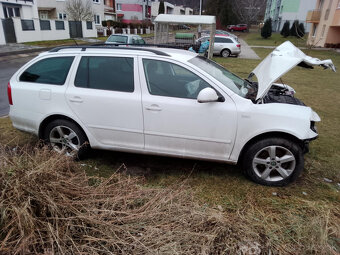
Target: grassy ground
<point x="55" y="43"/>
<point x="253" y="38"/>
<point x="302" y="218"/>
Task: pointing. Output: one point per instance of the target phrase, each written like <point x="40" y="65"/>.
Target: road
<point x="8" y="66"/>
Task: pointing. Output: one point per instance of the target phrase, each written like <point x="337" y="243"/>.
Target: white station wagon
<point x="167" y="102"/>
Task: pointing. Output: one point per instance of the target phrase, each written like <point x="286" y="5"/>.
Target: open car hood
<point x="285" y="57"/>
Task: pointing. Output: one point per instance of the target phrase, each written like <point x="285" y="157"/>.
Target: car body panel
<point x="285" y="57"/>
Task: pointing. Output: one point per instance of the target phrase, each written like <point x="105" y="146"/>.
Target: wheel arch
<point x="224" y="50"/>
<point x="53" y="117"/>
<point x="268" y="135"/>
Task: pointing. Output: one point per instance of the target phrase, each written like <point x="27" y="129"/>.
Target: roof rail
<point x="171" y="46"/>
<point x="107" y="46"/>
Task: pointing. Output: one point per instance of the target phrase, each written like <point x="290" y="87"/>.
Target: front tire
<point x="273" y="161"/>
<point x="66" y="137"/>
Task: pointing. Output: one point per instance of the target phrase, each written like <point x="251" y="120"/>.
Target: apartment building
<point x="281" y="11"/>
<point x="133" y="10"/>
<point x="24" y="9"/>
<point x="325" y="20"/>
<point x="170" y="9"/>
<point x="56" y="9"/>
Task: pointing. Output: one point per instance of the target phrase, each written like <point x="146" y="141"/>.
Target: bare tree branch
<point x="79" y="10"/>
<point x="248" y="11"/>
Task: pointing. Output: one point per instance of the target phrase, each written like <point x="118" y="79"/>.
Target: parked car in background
<point x="167" y="102"/>
<point x="124" y="39"/>
<point x="224" y="46"/>
<point x="223" y="32"/>
<point x="239" y="27"/>
<point x="229" y="26"/>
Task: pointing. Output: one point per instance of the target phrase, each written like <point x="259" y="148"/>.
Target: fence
<point x="28" y="30"/>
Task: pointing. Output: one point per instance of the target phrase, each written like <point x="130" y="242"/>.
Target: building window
<point x="96" y="1"/>
<point x="27" y="24"/>
<point x="339" y="5"/>
<point x="89" y="25"/>
<point x="323" y="30"/>
<point x="62" y="16"/>
<point x="59" y="25"/>
<point x="45" y="25"/>
<point x="10" y="12"/>
<point x="314" y="29"/>
<point x="96" y="19"/>
<point x="119" y="7"/>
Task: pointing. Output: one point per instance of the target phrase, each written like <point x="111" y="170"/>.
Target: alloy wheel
<point x="274" y="163"/>
<point x="64" y="140"/>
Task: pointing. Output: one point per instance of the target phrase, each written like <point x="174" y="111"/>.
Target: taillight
<point x="238" y="45"/>
<point x="9" y="93"/>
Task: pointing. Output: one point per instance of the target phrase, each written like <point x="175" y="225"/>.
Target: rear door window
<point x="106" y="73"/>
<point x="48" y="71"/>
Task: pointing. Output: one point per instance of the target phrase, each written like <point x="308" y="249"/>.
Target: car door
<point x="218" y="45"/>
<point x="105" y="95"/>
<point x="174" y="122"/>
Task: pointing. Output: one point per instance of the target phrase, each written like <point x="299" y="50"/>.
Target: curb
<point x="9" y="53"/>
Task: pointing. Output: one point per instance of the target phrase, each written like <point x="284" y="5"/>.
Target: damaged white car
<point x="167" y="102"/>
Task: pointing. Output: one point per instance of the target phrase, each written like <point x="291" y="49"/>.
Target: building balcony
<point x="313" y="16"/>
<point x="109" y="9"/>
<point x="336" y="19"/>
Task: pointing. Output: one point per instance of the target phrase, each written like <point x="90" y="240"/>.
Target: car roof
<point x="169" y="53"/>
<point x="127" y="35"/>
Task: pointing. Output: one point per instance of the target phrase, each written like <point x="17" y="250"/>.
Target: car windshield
<point x="228" y="79"/>
<point x="117" y="39"/>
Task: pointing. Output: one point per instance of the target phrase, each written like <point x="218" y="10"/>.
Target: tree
<point x="266" y="30"/>
<point x="161" y="9"/>
<point x="285" y="29"/>
<point x="79" y="10"/>
<point x="248" y="11"/>
<point x="294" y="28"/>
<point x="301" y="30"/>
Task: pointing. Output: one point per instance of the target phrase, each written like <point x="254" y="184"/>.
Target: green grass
<point x="254" y="38"/>
<point x="291" y="222"/>
<point x="55" y="43"/>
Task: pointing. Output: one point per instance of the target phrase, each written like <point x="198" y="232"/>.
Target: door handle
<point x="153" y="107"/>
<point x="76" y="100"/>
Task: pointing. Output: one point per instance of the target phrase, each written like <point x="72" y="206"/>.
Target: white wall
<point x="2" y="35"/>
<point x="89" y="32"/>
<point x="37" y="34"/>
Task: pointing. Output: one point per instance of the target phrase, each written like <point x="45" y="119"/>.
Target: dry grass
<point x="48" y="205"/>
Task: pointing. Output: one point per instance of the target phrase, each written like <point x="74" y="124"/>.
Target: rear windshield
<point x="118" y="39"/>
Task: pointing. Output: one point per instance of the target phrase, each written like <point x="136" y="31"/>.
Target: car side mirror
<point x="207" y="95"/>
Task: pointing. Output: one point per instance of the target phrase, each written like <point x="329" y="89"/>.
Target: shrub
<point x="294" y="28"/>
<point x="266" y="30"/>
<point x="301" y="30"/>
<point x="285" y="29"/>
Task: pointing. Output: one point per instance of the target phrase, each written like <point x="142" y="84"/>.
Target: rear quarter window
<point x="48" y="71"/>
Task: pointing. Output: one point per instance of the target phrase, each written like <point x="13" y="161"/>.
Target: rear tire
<point x="225" y="53"/>
<point x="66" y="137"/>
<point x="273" y="161"/>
